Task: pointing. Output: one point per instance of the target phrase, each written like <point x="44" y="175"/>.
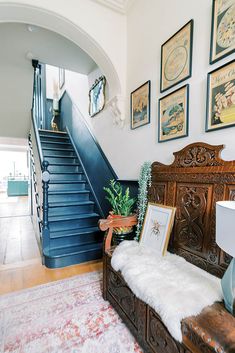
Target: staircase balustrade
<point x="41" y="173"/>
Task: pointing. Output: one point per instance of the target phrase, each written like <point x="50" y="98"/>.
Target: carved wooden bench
<point x="193" y="183"/>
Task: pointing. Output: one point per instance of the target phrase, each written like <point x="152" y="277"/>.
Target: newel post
<point x="45" y="187"/>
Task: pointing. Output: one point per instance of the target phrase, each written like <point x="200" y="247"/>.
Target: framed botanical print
<point x="173" y="115"/>
<point x="221" y="97"/>
<point x="61" y="77"/>
<point x="158" y="223"/>
<point x="222" y="29"/>
<point x="97" y="96"/>
<point x="176" y="57"/>
<point x="140" y="106"/>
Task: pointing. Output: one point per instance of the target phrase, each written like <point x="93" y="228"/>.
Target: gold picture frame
<point x="222" y="29"/>
<point x="97" y="96"/>
<point x="173" y="115"/>
<point x="157" y="227"/>
<point x="221" y="97"/>
<point x="176" y="57"/>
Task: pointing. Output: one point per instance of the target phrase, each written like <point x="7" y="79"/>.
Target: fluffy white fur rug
<point x="173" y="287"/>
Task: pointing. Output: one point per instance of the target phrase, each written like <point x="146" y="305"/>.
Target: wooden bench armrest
<point x="110" y="223"/>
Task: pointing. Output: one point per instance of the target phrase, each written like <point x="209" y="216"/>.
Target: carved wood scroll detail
<point x="159" y="338"/>
<point x="157" y="193"/>
<point x="195" y="181"/>
<point x="190" y="223"/>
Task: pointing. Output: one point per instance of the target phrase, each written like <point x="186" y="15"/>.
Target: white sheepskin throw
<point x="173" y="287"/>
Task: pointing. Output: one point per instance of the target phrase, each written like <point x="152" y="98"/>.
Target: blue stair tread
<point x="72" y="217"/>
<point x="58" y="149"/>
<point x="59" y="156"/>
<point x="57" y="142"/>
<point x="72" y="250"/>
<point x="70" y="203"/>
<point x="73" y="232"/>
<point x="67" y="172"/>
<point x="52" y="136"/>
<point x="65" y="164"/>
<point x="44" y="131"/>
<point x="61" y="192"/>
<point x="67" y="181"/>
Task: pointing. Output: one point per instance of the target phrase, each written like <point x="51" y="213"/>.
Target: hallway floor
<point x="20" y="260"/>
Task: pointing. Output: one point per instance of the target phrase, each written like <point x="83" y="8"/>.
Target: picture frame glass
<point x="97" y="96"/>
<point x="157" y="227"/>
<point x="173" y="115"/>
<point x="221" y="97"/>
<point x="176" y="57"/>
<point x="140" y="106"/>
<point x="223" y="29"/>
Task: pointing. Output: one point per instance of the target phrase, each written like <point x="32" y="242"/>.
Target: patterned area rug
<point x="68" y="316"/>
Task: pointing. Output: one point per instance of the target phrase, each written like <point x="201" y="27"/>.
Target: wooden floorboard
<point x="20" y="260"/>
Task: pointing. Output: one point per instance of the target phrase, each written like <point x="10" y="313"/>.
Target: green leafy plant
<point x="121" y="202"/>
<point x="144" y="184"/>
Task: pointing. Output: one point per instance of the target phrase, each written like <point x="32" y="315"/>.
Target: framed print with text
<point x="173" y="115"/>
<point x="176" y="57"/>
<point x="221" y="97"/>
<point x="222" y="29"/>
<point x="140" y="106"/>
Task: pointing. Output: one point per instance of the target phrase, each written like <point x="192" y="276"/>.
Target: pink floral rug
<point x="68" y="316"/>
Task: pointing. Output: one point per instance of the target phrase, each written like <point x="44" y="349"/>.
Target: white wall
<point x="149" y="24"/>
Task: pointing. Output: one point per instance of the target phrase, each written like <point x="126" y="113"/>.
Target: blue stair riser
<point x="67" y="160"/>
<point x="76" y="240"/>
<point x="69" y="197"/>
<point x="54" y="139"/>
<point x="62" y="210"/>
<point x="53" y="144"/>
<point x="70" y="186"/>
<point x="72" y="176"/>
<point x="89" y="255"/>
<point x="62" y="152"/>
<point x="64" y="168"/>
<point x="71" y="224"/>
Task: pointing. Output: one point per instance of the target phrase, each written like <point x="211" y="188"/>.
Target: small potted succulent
<point x="122" y="206"/>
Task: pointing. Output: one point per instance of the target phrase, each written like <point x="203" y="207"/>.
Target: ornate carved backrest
<point x="193" y="183"/>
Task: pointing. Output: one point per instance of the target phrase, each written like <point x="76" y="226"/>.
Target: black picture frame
<point x="220" y="102"/>
<point x="214" y="57"/>
<point x="181" y="48"/>
<point x="97" y="96"/>
<point x="170" y="126"/>
<point x="139" y="94"/>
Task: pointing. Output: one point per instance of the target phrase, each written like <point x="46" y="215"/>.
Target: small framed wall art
<point x="176" y="57"/>
<point x="222" y="29"/>
<point x="157" y="227"/>
<point x="173" y="115"/>
<point x="97" y="96"/>
<point x="221" y="97"/>
<point x="140" y="105"/>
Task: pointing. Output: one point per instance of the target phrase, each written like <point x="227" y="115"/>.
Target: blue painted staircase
<point x="73" y="214"/>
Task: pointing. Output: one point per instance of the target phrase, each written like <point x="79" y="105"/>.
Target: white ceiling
<point x="18" y="47"/>
<point x="121" y="6"/>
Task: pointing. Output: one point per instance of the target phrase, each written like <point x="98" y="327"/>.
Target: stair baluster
<point x="45" y="187"/>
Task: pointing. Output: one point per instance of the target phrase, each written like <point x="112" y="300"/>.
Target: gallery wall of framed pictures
<point x="177" y="67"/>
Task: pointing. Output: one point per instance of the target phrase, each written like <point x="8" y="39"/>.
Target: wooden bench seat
<point x="193" y="183"/>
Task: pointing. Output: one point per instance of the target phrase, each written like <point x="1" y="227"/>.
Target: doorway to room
<point x="17" y="238"/>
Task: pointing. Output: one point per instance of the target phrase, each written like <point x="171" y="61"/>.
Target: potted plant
<point x="122" y="206"/>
